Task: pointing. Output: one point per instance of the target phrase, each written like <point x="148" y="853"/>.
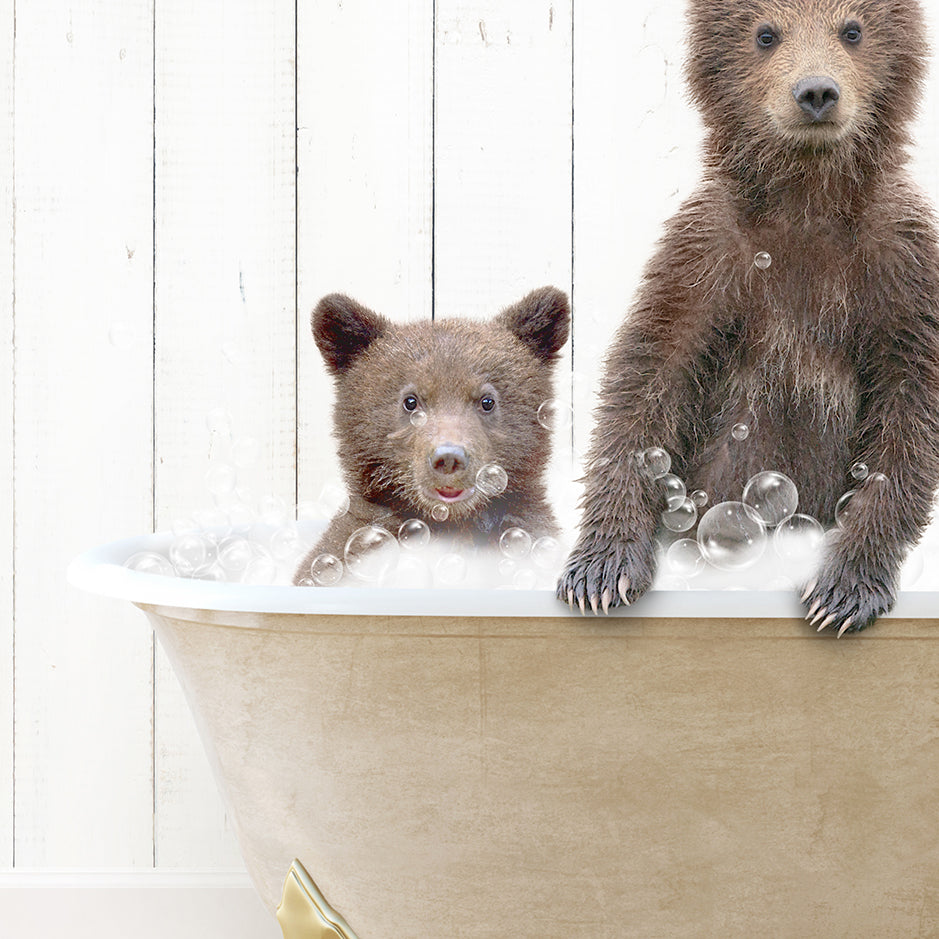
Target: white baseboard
<point x="142" y="904"/>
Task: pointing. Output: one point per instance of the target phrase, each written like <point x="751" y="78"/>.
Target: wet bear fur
<point x="831" y="354"/>
<point x="478" y="383"/>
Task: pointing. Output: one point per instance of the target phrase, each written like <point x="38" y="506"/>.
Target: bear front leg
<point x="899" y="440"/>
<point x="613" y="560"/>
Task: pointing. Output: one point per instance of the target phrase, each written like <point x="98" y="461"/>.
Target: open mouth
<point x="452" y="494"/>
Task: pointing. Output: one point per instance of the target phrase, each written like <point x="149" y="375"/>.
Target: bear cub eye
<point x="851" y="33"/>
<point x="766" y="37"/>
<point x="410" y="402"/>
<point x="487" y="402"/>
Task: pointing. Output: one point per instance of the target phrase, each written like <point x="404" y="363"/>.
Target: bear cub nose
<point x="817" y="96"/>
<point x="448" y="459"/>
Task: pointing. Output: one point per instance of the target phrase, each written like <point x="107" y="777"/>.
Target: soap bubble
<point x="491" y="479"/>
<point x="546" y="552"/>
<point x="413" y="534"/>
<point x="731" y="536"/>
<point x="700" y="498"/>
<point x="286" y="543"/>
<point x="655" y="461"/>
<point x="221" y="479"/>
<point x="525" y="579"/>
<point x="261" y="570"/>
<point x="450" y="570"/>
<point x="419" y="418"/>
<point x="859" y="471"/>
<point x="234" y="555"/>
<point x="797" y="536"/>
<point x="150" y="562"/>
<point x="684" y="557"/>
<point x="555" y="415"/>
<point x="762" y="260"/>
<point x="772" y="496"/>
<point x="218" y="421"/>
<point x="326" y="570"/>
<point x="681" y="518"/>
<point x="843" y="508"/>
<point x="515" y="543"/>
<point x="189" y="552"/>
<point x="876" y="479"/>
<point x="439" y="513"/>
<point x="370" y="553"/>
<point x="740" y="432"/>
<point x="673" y="489"/>
<point x="333" y="500"/>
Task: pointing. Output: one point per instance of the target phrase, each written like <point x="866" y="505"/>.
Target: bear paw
<point x="607" y="573"/>
<point x="841" y="598"/>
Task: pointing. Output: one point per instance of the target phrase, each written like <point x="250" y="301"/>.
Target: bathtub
<point x="448" y="764"/>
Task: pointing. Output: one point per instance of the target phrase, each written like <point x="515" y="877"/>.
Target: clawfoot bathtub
<point x="447" y="764"/>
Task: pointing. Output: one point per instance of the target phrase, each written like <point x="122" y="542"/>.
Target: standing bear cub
<point x="795" y="292"/>
<point x="438" y="421"/>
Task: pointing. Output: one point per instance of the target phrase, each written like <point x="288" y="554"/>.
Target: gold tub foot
<point x="304" y="913"/>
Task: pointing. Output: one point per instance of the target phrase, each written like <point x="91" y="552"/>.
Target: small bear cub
<point x="437" y="421"/>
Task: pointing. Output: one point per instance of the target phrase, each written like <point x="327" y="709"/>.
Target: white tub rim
<point x="100" y="570"/>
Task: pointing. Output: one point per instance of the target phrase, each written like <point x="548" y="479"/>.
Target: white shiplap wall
<point x="188" y="180"/>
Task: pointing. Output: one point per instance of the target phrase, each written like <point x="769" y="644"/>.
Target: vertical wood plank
<point x="6" y="434"/>
<point x="502" y="169"/>
<point x="83" y="454"/>
<point x="365" y="145"/>
<point x="502" y="152"/>
<point x="225" y="320"/>
<point x="635" y="160"/>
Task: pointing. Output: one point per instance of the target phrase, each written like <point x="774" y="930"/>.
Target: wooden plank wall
<point x="188" y="180"/>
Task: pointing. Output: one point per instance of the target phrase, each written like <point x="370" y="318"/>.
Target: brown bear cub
<point x="796" y="292"/>
<point x="422" y="408"/>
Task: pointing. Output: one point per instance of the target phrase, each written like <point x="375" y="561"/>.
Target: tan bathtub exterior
<point x="448" y="777"/>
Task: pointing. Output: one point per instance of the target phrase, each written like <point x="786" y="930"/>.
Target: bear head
<point x="422" y="407"/>
<point x="779" y="80"/>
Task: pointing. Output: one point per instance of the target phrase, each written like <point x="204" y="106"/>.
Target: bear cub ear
<point x="344" y="329"/>
<point x="541" y="320"/>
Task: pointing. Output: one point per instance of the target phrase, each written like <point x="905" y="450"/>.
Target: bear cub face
<point x="439" y="420"/>
<point x="786" y="77"/>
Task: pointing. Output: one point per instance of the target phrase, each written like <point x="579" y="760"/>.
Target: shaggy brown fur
<point x="831" y="355"/>
<point x="480" y="385"/>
